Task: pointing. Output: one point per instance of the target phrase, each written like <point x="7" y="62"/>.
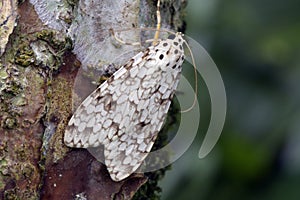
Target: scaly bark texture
<point x="46" y="49"/>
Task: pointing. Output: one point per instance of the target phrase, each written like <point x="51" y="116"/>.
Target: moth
<point x="126" y="112"/>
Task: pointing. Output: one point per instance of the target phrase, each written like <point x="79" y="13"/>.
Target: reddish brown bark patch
<point x="79" y="174"/>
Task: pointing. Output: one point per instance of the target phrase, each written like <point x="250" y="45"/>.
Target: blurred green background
<point x="256" y="46"/>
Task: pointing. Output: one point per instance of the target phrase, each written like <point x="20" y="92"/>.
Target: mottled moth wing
<point x="127" y="111"/>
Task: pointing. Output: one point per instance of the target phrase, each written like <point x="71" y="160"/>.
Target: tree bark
<point x="44" y="46"/>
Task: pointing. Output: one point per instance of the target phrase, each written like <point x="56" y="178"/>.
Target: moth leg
<point x="156" y="36"/>
<point x="158" y="25"/>
<point x="121" y="41"/>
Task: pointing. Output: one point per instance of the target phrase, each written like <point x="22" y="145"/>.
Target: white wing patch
<point x="127" y="111"/>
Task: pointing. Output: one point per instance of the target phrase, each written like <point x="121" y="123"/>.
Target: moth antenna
<point x="156" y="36"/>
<point x="196" y="80"/>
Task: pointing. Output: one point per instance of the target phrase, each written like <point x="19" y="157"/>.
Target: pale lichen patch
<point x="8" y="17"/>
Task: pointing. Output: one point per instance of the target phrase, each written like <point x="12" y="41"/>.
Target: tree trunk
<point x="46" y="48"/>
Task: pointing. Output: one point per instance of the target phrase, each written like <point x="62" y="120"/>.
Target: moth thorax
<point x="169" y="53"/>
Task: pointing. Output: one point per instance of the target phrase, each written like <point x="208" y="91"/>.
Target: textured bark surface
<point x="38" y="69"/>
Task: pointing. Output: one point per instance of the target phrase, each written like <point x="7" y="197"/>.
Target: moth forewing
<point x="127" y="111"/>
